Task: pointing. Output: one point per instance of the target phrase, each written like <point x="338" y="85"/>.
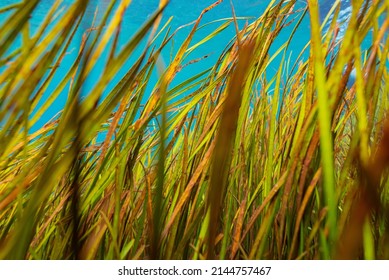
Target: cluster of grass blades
<point x="230" y="164"/>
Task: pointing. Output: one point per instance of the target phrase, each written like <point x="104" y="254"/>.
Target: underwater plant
<point x="239" y="161"/>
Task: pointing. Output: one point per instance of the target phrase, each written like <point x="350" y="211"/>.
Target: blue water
<point x="183" y="12"/>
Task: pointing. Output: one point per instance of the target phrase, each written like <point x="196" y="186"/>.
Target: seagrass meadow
<point x="234" y="162"/>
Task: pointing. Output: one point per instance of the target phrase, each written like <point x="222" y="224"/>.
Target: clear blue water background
<point x="183" y="12"/>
